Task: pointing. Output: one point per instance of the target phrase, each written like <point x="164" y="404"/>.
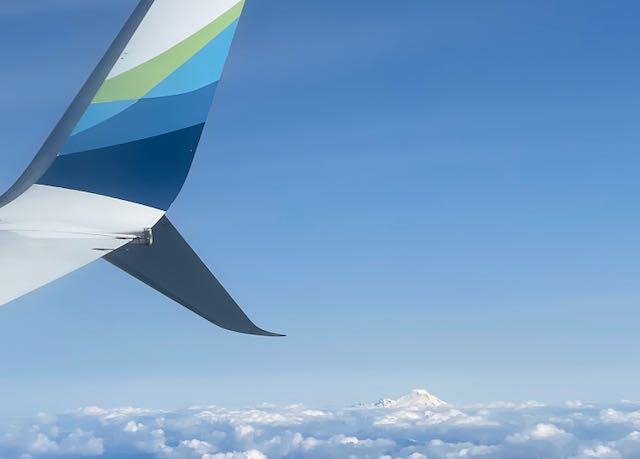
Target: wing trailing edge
<point x="169" y="265"/>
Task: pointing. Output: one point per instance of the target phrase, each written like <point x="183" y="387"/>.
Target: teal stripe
<point x="201" y="70"/>
<point x="100" y="112"/>
<point x="147" y="118"/>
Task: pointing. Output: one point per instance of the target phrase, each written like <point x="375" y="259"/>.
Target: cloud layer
<point x="416" y="426"/>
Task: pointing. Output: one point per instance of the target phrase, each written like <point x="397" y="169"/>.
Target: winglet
<point x="170" y="266"/>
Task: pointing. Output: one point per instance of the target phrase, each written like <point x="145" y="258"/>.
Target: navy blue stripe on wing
<point x="150" y="171"/>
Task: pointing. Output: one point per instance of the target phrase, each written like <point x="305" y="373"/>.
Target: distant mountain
<point x="416" y="399"/>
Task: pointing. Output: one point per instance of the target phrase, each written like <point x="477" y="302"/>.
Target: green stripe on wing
<point x="135" y="83"/>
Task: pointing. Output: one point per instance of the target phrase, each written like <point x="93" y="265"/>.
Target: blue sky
<point x="439" y="195"/>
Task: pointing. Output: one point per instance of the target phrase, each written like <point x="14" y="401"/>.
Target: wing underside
<point x="49" y="232"/>
<point x="28" y="263"/>
<point x="170" y="266"/>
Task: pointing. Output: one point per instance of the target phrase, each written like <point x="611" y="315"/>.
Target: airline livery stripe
<point x="98" y="113"/>
<point x="137" y="82"/>
<point x="149" y="171"/>
<point x="201" y="70"/>
<point x="146" y="118"/>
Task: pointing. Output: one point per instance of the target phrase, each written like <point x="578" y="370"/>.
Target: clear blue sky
<point x="420" y="194"/>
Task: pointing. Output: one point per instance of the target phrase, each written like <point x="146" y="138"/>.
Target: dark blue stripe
<point x="149" y="171"/>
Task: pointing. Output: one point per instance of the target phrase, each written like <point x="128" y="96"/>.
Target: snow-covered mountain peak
<point x="418" y="398"/>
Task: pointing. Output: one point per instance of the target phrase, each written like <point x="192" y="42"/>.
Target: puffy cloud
<point x="133" y="427"/>
<point x="80" y="443"/>
<point x="42" y="444"/>
<point x="599" y="452"/>
<point x="546" y="431"/>
<point x="416" y="426"/>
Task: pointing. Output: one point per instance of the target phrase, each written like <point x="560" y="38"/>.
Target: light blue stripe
<point x="146" y="118"/>
<point x="97" y="113"/>
<point x="201" y="70"/>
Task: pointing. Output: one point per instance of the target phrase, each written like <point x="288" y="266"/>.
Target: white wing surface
<point x="49" y="232"/>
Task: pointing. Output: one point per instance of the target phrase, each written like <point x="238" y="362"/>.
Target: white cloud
<point x="546" y="431"/>
<point x="613" y="416"/>
<point x="198" y="446"/>
<point x="599" y="452"/>
<point x="80" y="443"/>
<point x="416" y="426"/>
<point x="43" y="444"/>
<point x="133" y="427"/>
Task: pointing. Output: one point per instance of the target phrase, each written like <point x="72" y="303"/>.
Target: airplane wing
<point x="105" y="177"/>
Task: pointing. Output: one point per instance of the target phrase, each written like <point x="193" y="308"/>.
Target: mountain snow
<point x="416" y="399"/>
